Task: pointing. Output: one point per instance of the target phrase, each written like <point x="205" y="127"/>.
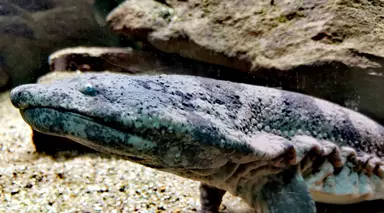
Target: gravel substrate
<point x="69" y="182"/>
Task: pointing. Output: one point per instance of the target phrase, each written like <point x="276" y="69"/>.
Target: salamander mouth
<point x="34" y="117"/>
<point x="25" y="112"/>
<point x="30" y="115"/>
<point x="88" y="131"/>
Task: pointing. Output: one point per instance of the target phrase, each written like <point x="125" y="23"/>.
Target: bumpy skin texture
<point x="277" y="150"/>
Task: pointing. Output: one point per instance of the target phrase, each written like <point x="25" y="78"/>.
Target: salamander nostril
<point x="20" y="96"/>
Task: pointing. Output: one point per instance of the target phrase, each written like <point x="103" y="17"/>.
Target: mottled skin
<point x="277" y="150"/>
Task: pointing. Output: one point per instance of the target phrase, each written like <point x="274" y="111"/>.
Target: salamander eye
<point x="88" y="89"/>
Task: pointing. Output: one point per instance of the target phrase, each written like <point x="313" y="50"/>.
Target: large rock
<point x="252" y="34"/>
<point x="31" y="30"/>
<point x="332" y="49"/>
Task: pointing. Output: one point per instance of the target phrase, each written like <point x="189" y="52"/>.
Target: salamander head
<point x="147" y="119"/>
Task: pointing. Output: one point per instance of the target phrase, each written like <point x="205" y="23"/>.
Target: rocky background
<point x="31" y="30"/>
<point x="331" y="49"/>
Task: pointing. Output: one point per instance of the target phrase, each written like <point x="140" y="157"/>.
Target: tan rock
<point x="249" y="34"/>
